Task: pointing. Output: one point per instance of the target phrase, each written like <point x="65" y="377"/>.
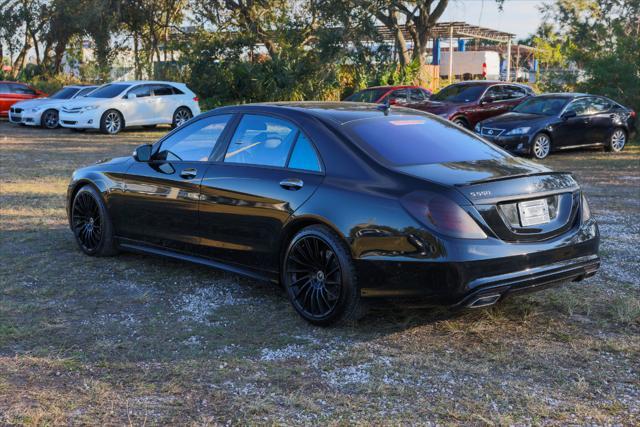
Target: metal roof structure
<point x="459" y="30"/>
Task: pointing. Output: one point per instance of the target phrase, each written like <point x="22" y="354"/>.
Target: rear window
<point x="367" y="95"/>
<point x="409" y="140"/>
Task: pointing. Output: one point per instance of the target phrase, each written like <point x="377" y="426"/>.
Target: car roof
<point x="564" y="95"/>
<point x="135" y="82"/>
<point x="393" y="87"/>
<point x="338" y="113"/>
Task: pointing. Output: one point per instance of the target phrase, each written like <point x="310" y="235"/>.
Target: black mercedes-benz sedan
<point x="339" y="202"/>
<point x="559" y="121"/>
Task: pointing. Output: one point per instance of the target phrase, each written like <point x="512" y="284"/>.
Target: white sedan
<point x="45" y="111"/>
<point x="117" y="105"/>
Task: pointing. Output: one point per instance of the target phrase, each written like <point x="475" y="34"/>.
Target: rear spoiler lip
<point x="503" y="178"/>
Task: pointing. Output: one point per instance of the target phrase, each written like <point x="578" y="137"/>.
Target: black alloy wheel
<point x="50" y="119"/>
<point x="91" y="224"/>
<point x="319" y="277"/>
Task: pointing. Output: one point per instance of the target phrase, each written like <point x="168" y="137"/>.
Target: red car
<point x="12" y="92"/>
<point x="400" y="95"/>
<point x="467" y="103"/>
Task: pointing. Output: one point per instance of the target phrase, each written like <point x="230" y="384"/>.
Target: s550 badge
<point x="484" y="193"/>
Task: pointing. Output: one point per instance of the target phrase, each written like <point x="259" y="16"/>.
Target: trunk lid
<point x="496" y="188"/>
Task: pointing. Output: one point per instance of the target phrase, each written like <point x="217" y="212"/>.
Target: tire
<point x="319" y="277"/>
<point x="461" y="122"/>
<point x="50" y="119"/>
<point x="111" y="122"/>
<point x="617" y="140"/>
<point x="181" y="116"/>
<point x="541" y="146"/>
<point x="91" y="224"/>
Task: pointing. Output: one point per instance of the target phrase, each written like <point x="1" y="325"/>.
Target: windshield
<point x="412" y="139"/>
<point x="64" y="93"/>
<point x="108" y="91"/>
<point x="367" y="95"/>
<point x="85" y="91"/>
<point x="544" y="106"/>
<point x="459" y="93"/>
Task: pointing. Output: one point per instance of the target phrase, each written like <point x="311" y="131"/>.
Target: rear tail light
<point x="586" y="211"/>
<point x="633" y="114"/>
<point x="442" y="215"/>
<point x="195" y="98"/>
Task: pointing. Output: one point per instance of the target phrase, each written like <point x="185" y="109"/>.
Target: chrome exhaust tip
<point x="484" y="301"/>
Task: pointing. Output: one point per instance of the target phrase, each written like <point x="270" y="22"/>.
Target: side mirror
<point x="131" y="95"/>
<point x="393" y="101"/>
<point x="568" y="115"/>
<point x="487" y="100"/>
<point x="142" y="153"/>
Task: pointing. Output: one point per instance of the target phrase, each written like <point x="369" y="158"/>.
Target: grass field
<point x="143" y="340"/>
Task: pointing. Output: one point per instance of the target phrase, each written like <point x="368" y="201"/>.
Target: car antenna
<point x="385" y="107"/>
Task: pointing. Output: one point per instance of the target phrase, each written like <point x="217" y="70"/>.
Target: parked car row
<point x="109" y="108"/>
<point x="512" y="116"/>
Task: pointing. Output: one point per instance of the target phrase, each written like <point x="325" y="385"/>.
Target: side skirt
<point x="132" y="246"/>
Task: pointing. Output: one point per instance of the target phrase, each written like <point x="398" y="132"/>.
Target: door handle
<point x="291" y="183"/>
<point x="189" y="173"/>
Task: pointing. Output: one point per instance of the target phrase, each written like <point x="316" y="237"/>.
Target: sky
<point x="520" y="17"/>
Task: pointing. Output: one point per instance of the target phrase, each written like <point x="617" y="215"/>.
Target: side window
<point x="600" y="105"/>
<point x="162" y="90"/>
<point x="4" y="88"/>
<point x="261" y="140"/>
<point x="141" y="91"/>
<point x="194" y="142"/>
<point x="176" y="91"/>
<point x="416" y="95"/>
<point x="21" y="89"/>
<point x="494" y="93"/>
<point x="400" y="96"/>
<point x="580" y="106"/>
<point x="304" y="156"/>
<point x="514" y="92"/>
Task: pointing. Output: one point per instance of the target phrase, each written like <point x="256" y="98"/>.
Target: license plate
<point x="533" y="212"/>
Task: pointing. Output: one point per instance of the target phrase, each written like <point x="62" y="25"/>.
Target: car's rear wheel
<point x="461" y="122"/>
<point x="91" y="224"/>
<point x="50" y="119"/>
<point x="541" y="146"/>
<point x="181" y="116"/>
<point x="617" y="140"/>
<point x="320" y="278"/>
<point x="111" y="122"/>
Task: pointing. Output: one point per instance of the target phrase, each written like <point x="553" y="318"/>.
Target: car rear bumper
<point x="86" y="120"/>
<point x="503" y="269"/>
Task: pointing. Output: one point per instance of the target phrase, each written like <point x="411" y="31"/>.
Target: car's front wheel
<point x="541" y="146"/>
<point x="91" y="223"/>
<point x="50" y="119"/>
<point x="461" y="122"/>
<point x="617" y="140"/>
<point x="320" y="278"/>
<point x="181" y="116"/>
<point x="111" y="122"/>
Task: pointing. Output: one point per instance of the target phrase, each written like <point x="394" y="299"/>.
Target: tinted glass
<point x="304" y="156"/>
<point x="600" y="105"/>
<point x="513" y="92"/>
<point x="580" y="106"/>
<point x="85" y="91"/>
<point x="141" y="91"/>
<point x="261" y="140"/>
<point x="367" y="95"/>
<point x="399" y="95"/>
<point x="177" y="91"/>
<point x="416" y="95"/>
<point x="545" y="106"/>
<point x="162" y="90"/>
<point x="65" y="93"/>
<point x="4" y="88"/>
<point x="496" y="93"/>
<point x="108" y="91"/>
<point x="406" y="140"/>
<point x="459" y="93"/>
<point x="21" y="89"/>
<point x="194" y="142"/>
